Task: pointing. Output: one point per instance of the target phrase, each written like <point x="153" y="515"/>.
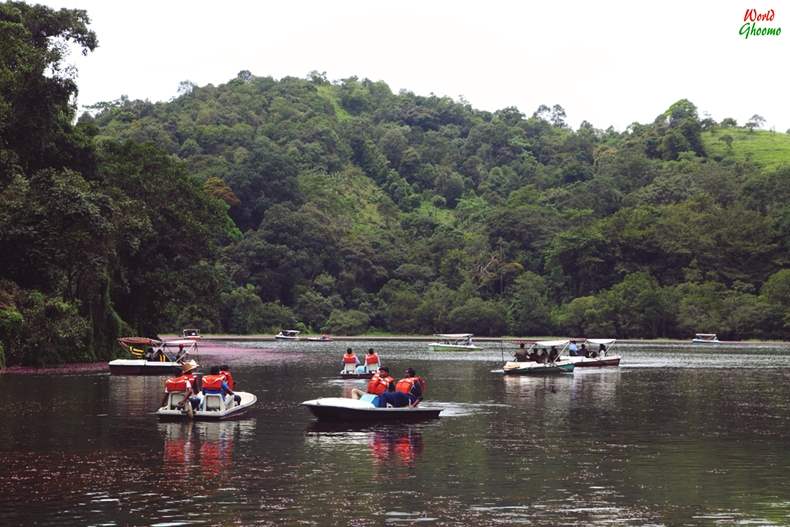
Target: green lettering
<point x="745" y="30"/>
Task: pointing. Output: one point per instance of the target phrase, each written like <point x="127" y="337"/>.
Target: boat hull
<point x="598" y="362"/>
<point x="247" y="400"/>
<point x="143" y="367"/>
<point x="367" y="375"/>
<point x="451" y="347"/>
<point x="338" y="409"/>
<point x="534" y="368"/>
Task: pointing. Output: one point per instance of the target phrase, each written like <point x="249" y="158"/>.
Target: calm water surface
<point x="673" y="437"/>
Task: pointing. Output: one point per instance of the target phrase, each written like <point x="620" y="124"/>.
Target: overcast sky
<point x="605" y="61"/>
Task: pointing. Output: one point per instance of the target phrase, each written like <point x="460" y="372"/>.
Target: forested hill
<point x="361" y="208"/>
<point x="346" y="208"/>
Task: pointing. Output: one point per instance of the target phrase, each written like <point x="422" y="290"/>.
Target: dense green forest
<point x="343" y="207"/>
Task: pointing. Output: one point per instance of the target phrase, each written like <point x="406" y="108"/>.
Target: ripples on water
<point x="673" y="437"/>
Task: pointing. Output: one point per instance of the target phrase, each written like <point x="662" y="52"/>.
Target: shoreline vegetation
<point x="343" y="207"/>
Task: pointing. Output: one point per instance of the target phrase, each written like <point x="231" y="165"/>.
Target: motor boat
<point x="287" y="334"/>
<point x="151" y="356"/>
<point x="546" y="363"/>
<point x="453" y="342"/>
<point x="601" y="348"/>
<point x="705" y="338"/>
<point x="345" y="409"/>
<point x="213" y="406"/>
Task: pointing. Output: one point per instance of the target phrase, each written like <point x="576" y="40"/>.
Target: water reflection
<point x="385" y="445"/>
<point x="208" y="446"/>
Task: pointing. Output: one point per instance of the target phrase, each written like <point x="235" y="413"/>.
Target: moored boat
<point x="151" y="356"/>
<point x="287" y="334"/>
<point x="705" y="338"/>
<point x="191" y="333"/>
<point x="343" y="409"/>
<point x="213" y="407"/>
<point x="453" y="342"/>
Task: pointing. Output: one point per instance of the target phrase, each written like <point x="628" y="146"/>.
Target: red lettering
<point x="751" y="14"/>
<point x="771" y="15"/>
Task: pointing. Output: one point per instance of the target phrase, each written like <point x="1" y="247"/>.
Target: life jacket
<point x="349" y="359"/>
<point x="405" y="385"/>
<point x="378" y="385"/>
<point x="213" y="383"/>
<point x="229" y="379"/>
<point x="371" y="359"/>
<point x="179" y="384"/>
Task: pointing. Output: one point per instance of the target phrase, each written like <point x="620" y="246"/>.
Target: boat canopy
<point x="605" y="342"/>
<point x="550" y="343"/>
<point x="456" y="336"/>
<point x="138" y="341"/>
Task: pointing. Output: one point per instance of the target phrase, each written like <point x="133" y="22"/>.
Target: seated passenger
<point x="216" y="382"/>
<point x="412" y="385"/>
<point x="372" y="360"/>
<point x="521" y="354"/>
<point x="350" y="361"/>
<point x="185" y="383"/>
<point x="553" y="354"/>
<point x="225" y="370"/>
<point x="392" y="398"/>
<point x="376" y="385"/>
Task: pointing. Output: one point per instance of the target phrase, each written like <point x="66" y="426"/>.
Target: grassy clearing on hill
<point x="769" y="150"/>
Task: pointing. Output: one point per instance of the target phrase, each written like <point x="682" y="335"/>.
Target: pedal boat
<point x="213" y="407"/>
<point x="340" y="409"/>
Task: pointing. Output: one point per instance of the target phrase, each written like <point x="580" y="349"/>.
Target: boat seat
<point x="213" y="402"/>
<point x="174" y="399"/>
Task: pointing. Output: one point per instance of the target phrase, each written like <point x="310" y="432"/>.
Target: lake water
<point x="673" y="437"/>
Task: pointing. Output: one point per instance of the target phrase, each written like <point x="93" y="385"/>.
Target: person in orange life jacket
<point x="350" y="358"/>
<point x="371" y="360"/>
<point x="225" y="370"/>
<point x="377" y="384"/>
<point x="408" y="391"/>
<point x="216" y="382"/>
<point x="182" y="383"/>
<point x="413" y="386"/>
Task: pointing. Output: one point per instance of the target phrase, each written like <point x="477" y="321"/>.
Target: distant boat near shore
<point x="705" y="338"/>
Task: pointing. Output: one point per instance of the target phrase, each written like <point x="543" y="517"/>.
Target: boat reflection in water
<point x="385" y="445"/>
<point x="204" y="444"/>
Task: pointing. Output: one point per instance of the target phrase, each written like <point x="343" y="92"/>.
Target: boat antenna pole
<point x="501" y="349"/>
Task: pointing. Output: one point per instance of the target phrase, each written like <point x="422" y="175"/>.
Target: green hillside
<point x="769" y="150"/>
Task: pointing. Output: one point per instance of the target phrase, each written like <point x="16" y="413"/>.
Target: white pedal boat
<point x="212" y="408"/>
<point x="345" y="409"/>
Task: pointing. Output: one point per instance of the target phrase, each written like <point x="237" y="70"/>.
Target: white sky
<point x="605" y="61"/>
